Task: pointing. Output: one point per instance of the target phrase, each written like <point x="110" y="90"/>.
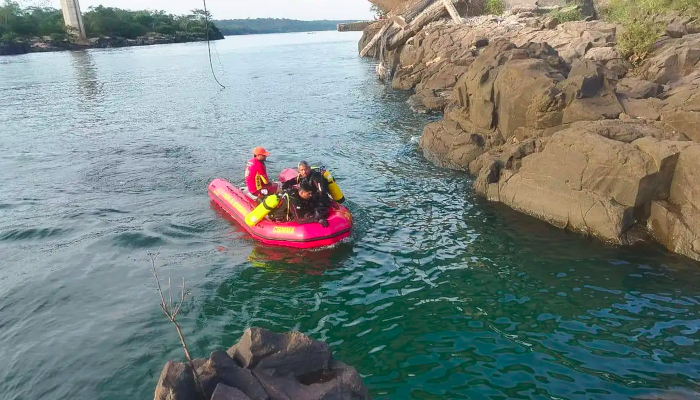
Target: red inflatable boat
<point x="237" y="203"/>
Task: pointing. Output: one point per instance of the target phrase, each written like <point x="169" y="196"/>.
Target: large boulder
<point x="684" y="121"/>
<point x="680" y="111"/>
<point x="648" y="109"/>
<point x="635" y="88"/>
<point x="530" y="91"/>
<point x="675" y="221"/>
<point x="586" y="182"/>
<point x="676" y="30"/>
<point x="572" y="40"/>
<point x="672" y="59"/>
<point x="11" y="48"/>
<point x="224" y="392"/>
<point x="222" y="369"/>
<point x="446" y="144"/>
<point x="488" y="166"/>
<point x="340" y="382"/>
<point x="513" y="89"/>
<point x="264" y="365"/>
<point x="432" y="62"/>
<point x="526" y="99"/>
<point x="474" y="91"/>
<point x="589" y="94"/>
<point x="434" y="59"/>
<point x="511" y="94"/>
<point x="282" y="354"/>
<point x="616" y="66"/>
<point x="176" y="382"/>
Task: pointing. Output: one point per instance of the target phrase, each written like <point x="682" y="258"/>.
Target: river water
<point x="105" y="156"/>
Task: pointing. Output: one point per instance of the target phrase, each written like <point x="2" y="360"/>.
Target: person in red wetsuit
<point x="256" y="178"/>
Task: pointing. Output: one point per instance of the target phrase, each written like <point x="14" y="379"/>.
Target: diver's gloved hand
<point x="263" y="192"/>
<point x="323" y="222"/>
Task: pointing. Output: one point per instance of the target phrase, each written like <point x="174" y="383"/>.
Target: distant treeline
<point x="273" y="25"/>
<point x="17" y="22"/>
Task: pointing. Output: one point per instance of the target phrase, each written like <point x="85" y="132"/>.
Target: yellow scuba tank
<point x="268" y="204"/>
<point x="333" y="187"/>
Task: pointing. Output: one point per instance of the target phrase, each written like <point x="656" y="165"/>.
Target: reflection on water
<point x="85" y="71"/>
<point x="297" y="261"/>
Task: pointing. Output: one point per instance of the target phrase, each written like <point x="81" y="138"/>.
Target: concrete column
<point x="73" y="17"/>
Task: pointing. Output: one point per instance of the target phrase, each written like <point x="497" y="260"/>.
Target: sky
<point x="234" y="9"/>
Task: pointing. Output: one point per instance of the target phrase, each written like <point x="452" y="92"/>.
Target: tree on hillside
<point x="201" y="14"/>
<point x="31" y="21"/>
<point x="378" y="11"/>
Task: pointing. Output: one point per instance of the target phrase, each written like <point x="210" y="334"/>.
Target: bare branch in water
<point x="182" y="298"/>
<point x="170" y="293"/>
<point x="172" y="314"/>
<point x="154" y="271"/>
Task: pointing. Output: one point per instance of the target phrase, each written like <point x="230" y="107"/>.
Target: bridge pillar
<point x="73" y="18"/>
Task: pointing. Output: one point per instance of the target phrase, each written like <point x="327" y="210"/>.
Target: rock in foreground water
<point x="265" y="365"/>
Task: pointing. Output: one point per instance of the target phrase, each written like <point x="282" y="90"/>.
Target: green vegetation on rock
<point x="567" y="14"/>
<point x="378" y="11"/>
<point x="644" y="23"/>
<point x="495" y="7"/>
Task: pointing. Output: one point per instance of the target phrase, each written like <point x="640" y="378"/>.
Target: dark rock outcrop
<point x="680" y="106"/>
<point x="433" y="61"/>
<point x="43" y="45"/>
<point x="289" y="354"/>
<point x="222" y="369"/>
<point x="675" y="220"/>
<point x="266" y="366"/>
<point x="553" y="122"/>
<point x="224" y="392"/>
<point x="672" y="59"/>
<point x="176" y="382"/>
<point x="586" y="182"/>
<point x="514" y="93"/>
<point x="12" y="48"/>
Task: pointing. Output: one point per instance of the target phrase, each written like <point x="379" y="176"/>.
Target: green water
<point x="106" y="155"/>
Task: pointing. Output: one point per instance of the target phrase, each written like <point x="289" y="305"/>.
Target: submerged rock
<point x="265" y="366"/>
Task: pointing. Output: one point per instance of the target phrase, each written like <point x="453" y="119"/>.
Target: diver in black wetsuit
<point x="314" y="177"/>
<point x="303" y="206"/>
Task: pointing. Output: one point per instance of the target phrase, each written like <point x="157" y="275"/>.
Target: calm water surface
<point x="105" y="156"/>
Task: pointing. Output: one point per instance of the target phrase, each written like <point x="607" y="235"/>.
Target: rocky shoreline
<point x="264" y="366"/>
<point x="43" y="45"/>
<point x="550" y="119"/>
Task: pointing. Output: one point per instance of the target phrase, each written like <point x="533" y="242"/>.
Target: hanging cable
<point x="211" y="65"/>
<point x="221" y="65"/>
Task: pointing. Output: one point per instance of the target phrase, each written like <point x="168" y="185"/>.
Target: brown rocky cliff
<point x="551" y="122"/>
